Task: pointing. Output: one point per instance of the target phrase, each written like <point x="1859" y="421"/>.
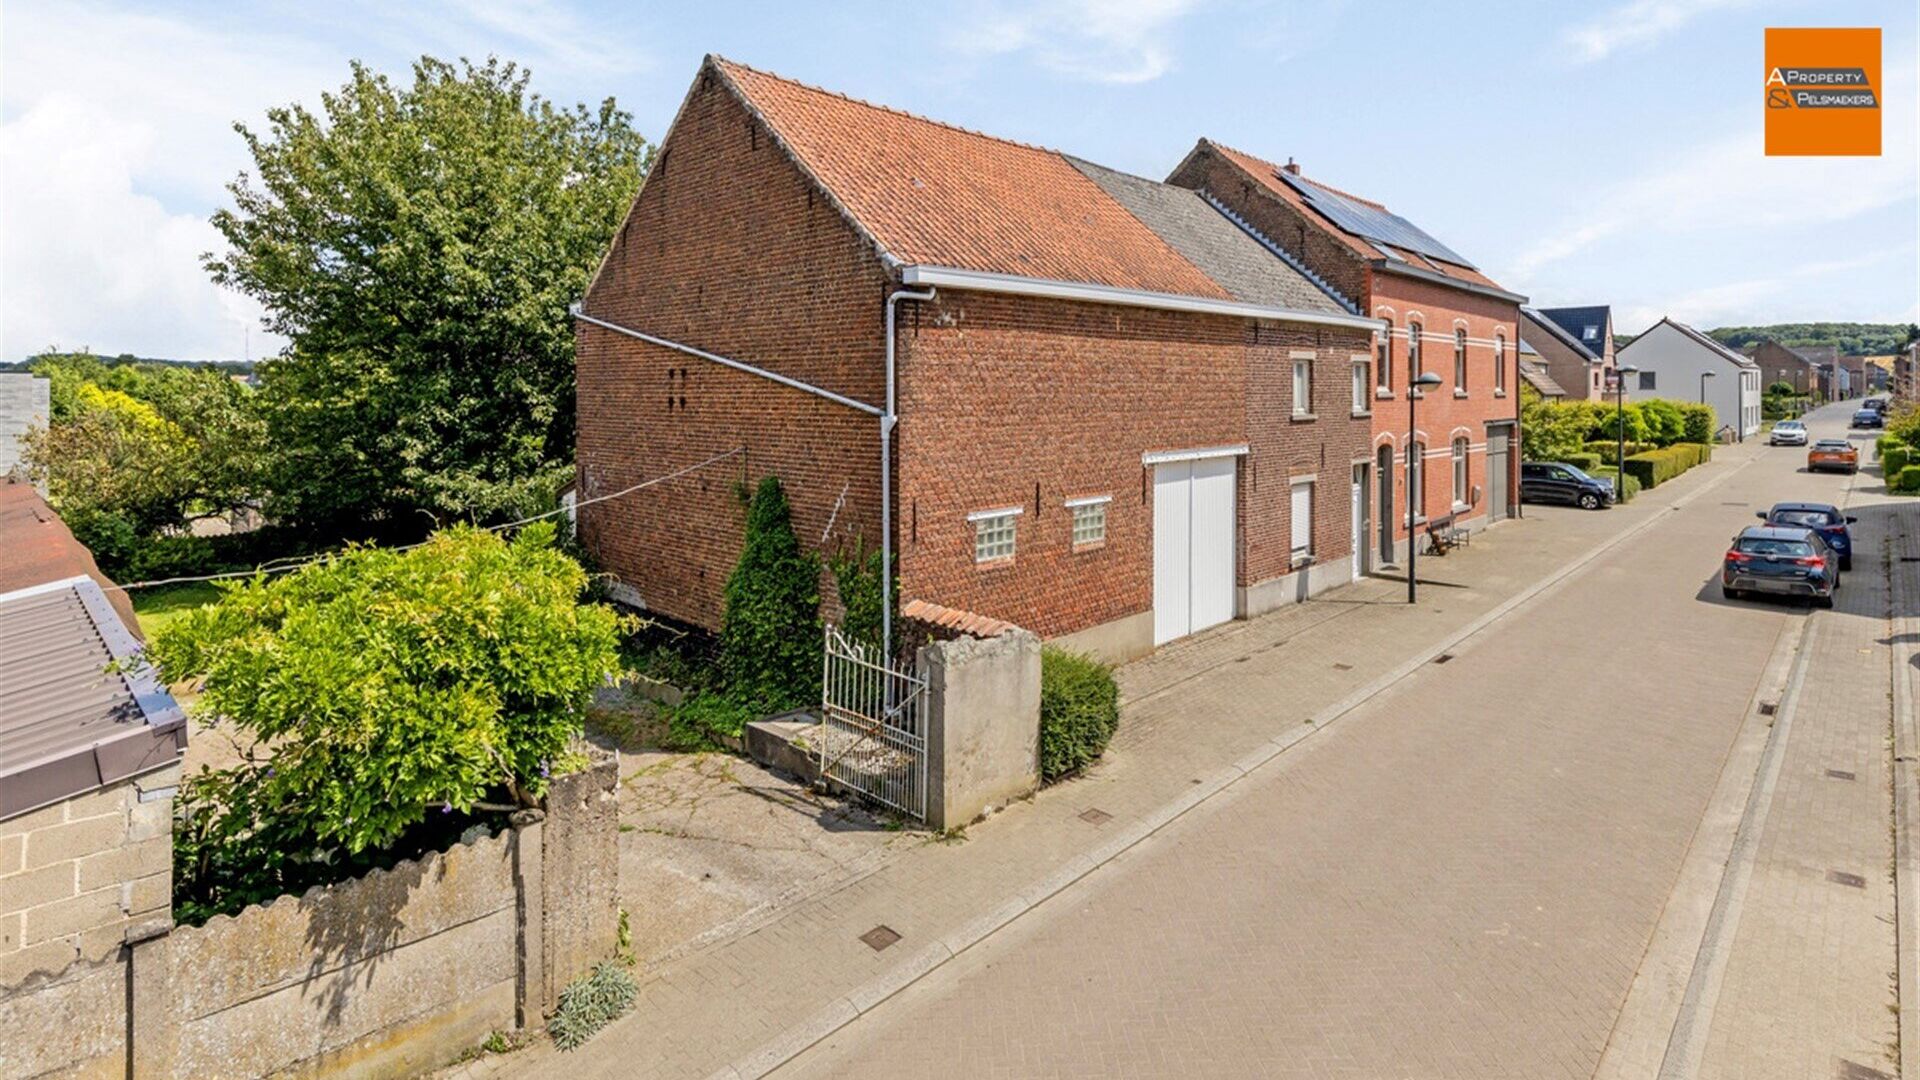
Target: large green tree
<point x="418" y="245"/>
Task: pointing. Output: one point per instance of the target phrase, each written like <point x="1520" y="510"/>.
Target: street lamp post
<point x="1415" y="387"/>
<point x="1620" y="429"/>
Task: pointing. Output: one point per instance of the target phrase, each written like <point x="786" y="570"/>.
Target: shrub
<point x="1663" y="420"/>
<point x="1608" y="472"/>
<point x="1886" y="442"/>
<point x="1655" y="467"/>
<point x="856" y="575"/>
<point x="390" y="683"/>
<point x="590" y="1003"/>
<point x="1609" y="450"/>
<point x="1696" y="422"/>
<point x="1893" y="459"/>
<point x="770" y="627"/>
<point x="1909" y="479"/>
<point x="1079" y="710"/>
<point x="1585" y="462"/>
<point x="705" y="718"/>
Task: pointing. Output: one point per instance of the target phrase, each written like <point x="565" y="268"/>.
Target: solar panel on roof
<point x="1374" y="224"/>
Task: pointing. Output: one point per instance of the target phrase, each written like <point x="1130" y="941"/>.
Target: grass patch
<point x="158" y="607"/>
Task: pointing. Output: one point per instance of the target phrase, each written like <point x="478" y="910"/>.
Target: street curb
<point x="1906" y="744"/>
<point x="842" y="1011"/>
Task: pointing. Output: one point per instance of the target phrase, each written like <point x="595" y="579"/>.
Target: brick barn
<point x="1445" y="317"/>
<point x="1122" y="416"/>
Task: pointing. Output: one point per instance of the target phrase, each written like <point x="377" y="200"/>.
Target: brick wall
<point x="730" y="249"/>
<point x="1282" y="222"/>
<point x="76" y="875"/>
<point x="1577" y="375"/>
<point x="1449" y="410"/>
<point x="1020" y="402"/>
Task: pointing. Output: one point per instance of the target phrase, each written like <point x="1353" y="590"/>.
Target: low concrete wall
<point x="1118" y="641"/>
<point x="1309" y="581"/>
<point x="386" y="975"/>
<point x="983" y="730"/>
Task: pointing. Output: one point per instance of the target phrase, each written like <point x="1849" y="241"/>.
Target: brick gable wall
<point x="1206" y="170"/>
<point x="730" y="249"/>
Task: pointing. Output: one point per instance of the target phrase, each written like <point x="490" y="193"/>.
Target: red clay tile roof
<point x="1266" y="173"/>
<point x="929" y="193"/>
<point x="37" y="547"/>
<point x="965" y="622"/>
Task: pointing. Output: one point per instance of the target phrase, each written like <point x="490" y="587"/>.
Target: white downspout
<point x="887" y="419"/>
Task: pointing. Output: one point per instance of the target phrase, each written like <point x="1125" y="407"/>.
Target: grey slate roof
<point x="1576" y="320"/>
<point x="1231" y="255"/>
<point x="69" y="724"/>
<point x="1538" y="318"/>
<point x="1537" y="377"/>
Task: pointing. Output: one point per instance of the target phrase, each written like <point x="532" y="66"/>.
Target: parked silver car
<point x="1787" y="433"/>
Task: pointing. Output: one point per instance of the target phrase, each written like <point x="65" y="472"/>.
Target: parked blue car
<point x="1823" y="518"/>
<point x="1780" y="562"/>
<point x="1869" y="418"/>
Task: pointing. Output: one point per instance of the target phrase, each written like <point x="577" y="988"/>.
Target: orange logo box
<point x="1823" y="92"/>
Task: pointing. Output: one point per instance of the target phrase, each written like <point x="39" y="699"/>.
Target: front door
<point x="1383" y="485"/>
<point x="1359" y="533"/>
<point x="1499" y="473"/>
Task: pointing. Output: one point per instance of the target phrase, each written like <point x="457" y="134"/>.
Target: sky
<point x="1581" y="152"/>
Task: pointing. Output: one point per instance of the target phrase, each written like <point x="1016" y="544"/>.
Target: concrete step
<point x="784" y="742"/>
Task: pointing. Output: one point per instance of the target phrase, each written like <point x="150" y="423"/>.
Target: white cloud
<point x="1123" y="41"/>
<point x="1637" y="23"/>
<point x="1733" y="303"/>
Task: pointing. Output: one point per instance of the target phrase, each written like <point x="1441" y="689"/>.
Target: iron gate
<point x="873" y="735"/>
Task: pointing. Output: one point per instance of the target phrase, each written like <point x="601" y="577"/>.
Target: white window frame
<point x="1414" y="333"/>
<point x="1079" y="511"/>
<point x="1383" y="361"/>
<point x="1299" y="553"/>
<point x="1462" y="474"/>
<point x="1362" y="387"/>
<point x="1500" y="363"/>
<point x="1459" y="361"/>
<point x="985" y="549"/>
<point x="1302" y="386"/>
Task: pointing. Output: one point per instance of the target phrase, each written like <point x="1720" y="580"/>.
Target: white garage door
<point x="1192" y="546"/>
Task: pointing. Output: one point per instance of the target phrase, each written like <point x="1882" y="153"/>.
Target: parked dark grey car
<point x="1780" y="561"/>
<point x="1557" y="482"/>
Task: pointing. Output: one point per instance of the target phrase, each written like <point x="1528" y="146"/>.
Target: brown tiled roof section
<point x="929" y="193"/>
<point x="1265" y="172"/>
<point x="37" y="547"/>
<point x="964" y="622"/>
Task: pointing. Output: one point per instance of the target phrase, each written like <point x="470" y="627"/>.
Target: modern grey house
<point x="1679" y="363"/>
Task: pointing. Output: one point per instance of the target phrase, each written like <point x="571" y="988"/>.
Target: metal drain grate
<point x="1851" y="881"/>
<point x="1443" y="658"/>
<point x="1095" y="816"/>
<point x="1768" y="708"/>
<point x="1840" y="774"/>
<point x="880" y="937"/>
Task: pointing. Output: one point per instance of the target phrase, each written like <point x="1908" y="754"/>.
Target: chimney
<point x="1291" y="167"/>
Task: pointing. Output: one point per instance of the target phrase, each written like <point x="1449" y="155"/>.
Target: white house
<point x="1680" y="363"/>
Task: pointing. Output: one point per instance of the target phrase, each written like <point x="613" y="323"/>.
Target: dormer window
<point x="1591" y="333"/>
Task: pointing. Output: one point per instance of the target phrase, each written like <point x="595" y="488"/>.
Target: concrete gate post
<point x="983" y="724"/>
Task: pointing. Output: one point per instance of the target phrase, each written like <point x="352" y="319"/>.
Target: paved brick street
<point x="1457" y="872"/>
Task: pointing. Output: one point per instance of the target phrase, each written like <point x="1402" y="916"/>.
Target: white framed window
<point x="1383" y="361"/>
<point x="1302" y="521"/>
<point x="1500" y="363"/>
<point x="1648" y="379"/>
<point x="1413" y="351"/>
<point x="1362" y="394"/>
<point x="993" y="533"/>
<point x="1460" y="478"/>
<point x="1459" y="359"/>
<point x="1089" y="520"/>
<point x="1302" y="387"/>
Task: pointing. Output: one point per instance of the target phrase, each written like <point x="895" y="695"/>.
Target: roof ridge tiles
<point x="1380" y="206"/>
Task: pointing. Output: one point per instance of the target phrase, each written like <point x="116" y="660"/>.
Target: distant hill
<point x="1852" y="339"/>
<point x="235" y="367"/>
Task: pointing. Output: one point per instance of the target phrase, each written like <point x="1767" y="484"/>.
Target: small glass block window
<point x="1089" y="521"/>
<point x="993" y="535"/>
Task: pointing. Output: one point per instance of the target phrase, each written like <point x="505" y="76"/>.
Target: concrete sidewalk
<point x="1198" y="715"/>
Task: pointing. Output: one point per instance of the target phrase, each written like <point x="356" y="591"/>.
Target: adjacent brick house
<point x="1780" y="364"/>
<point x="1575" y="345"/>
<point x="1445" y="316"/>
<point x="1121" y="416"/>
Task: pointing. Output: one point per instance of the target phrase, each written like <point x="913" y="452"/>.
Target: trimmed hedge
<point x="1079" y="710"/>
<point x="1655" y="467"/>
<point x="1908" y="480"/>
<point x="1608" y="472"/>
<point x="1893" y="459"/>
<point x="1609" y="450"/>
<point x="1586" y="463"/>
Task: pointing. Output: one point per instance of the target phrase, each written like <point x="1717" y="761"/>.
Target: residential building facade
<point x="1461" y="458"/>
<point x="1576" y="344"/>
<point x="1780" y="364"/>
<point x="1116" y="416"/>
<point x="1679" y="363"/>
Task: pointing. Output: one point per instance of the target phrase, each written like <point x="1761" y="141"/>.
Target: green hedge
<point x="1079" y="709"/>
<point x="1893" y="459"/>
<point x="1609" y="450"/>
<point x="1908" y="480"/>
<point x="1586" y="463"/>
<point x="1655" y="467"/>
<point x="1608" y="472"/>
